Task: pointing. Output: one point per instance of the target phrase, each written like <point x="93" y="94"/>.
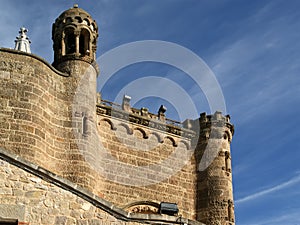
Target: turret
<point x="214" y="176"/>
<point x="74" y="36"/>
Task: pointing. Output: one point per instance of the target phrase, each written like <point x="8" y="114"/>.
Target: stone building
<point x="69" y="157"/>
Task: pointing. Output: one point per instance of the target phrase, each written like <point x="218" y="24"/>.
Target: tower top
<point x="75" y="10"/>
<point x="22" y="42"/>
<point x="74" y="34"/>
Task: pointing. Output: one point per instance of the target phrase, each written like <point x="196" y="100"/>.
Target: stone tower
<point x="214" y="178"/>
<point x="74" y="36"/>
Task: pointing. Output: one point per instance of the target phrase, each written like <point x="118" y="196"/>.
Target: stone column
<point x="77" y="36"/>
<point x="63" y="44"/>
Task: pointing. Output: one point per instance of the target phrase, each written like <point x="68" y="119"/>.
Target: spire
<point x="22" y="42"/>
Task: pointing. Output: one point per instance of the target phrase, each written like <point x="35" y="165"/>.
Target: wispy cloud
<point x="258" y="63"/>
<point x="287" y="218"/>
<point x="278" y="187"/>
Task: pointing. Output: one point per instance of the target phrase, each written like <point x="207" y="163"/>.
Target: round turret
<point x="74" y="36"/>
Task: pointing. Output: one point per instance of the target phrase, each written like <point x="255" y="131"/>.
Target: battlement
<point x="217" y="116"/>
<point x="145" y="118"/>
<point x="216" y="119"/>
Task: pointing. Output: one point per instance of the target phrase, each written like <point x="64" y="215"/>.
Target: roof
<point x="75" y="11"/>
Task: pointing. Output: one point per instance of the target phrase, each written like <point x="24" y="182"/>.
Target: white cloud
<point x="287" y="218"/>
<point x="278" y="187"/>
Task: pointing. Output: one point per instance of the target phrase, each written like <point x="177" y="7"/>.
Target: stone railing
<point x="144" y="117"/>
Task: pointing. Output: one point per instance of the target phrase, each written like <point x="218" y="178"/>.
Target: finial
<point x="22" y="41"/>
<point x="126" y="103"/>
<point x="23" y="31"/>
<point x="75" y="6"/>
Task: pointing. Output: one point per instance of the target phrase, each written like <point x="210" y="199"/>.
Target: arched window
<point x="84" y="41"/>
<point x="70" y="41"/>
<point x="227" y="162"/>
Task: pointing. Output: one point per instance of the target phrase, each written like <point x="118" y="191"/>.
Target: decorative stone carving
<point x="104" y="109"/>
<point x="74" y="34"/>
<point x="144" y="207"/>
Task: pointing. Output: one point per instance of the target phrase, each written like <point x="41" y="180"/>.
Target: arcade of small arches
<point x="146" y="133"/>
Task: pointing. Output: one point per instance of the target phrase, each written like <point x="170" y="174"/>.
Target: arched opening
<point x="85" y="125"/>
<point x="70" y="41"/>
<point x="86" y="22"/>
<point x="68" y="20"/>
<point x="227" y="162"/>
<point x="59" y="45"/>
<point x="84" y="40"/>
<point x="78" y="18"/>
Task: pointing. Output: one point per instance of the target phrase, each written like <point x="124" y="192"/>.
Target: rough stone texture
<point x="36" y="115"/>
<point x="38" y="128"/>
<point x="12" y="210"/>
<point x="34" y="201"/>
<point x="54" y="119"/>
<point x="214" y="180"/>
<point x="171" y="177"/>
<point x="36" y="124"/>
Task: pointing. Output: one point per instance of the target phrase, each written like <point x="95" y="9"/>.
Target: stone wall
<point x="33" y="200"/>
<point x="38" y="120"/>
<point x="50" y="118"/>
<point x="30" y="199"/>
<point x="36" y="115"/>
<point x="145" y="164"/>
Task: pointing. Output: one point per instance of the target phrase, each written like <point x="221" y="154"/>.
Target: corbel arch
<point x="145" y="135"/>
<point x="174" y="143"/>
<point x="112" y="126"/>
<point x="160" y="139"/>
<point x="128" y="129"/>
<point x="187" y="145"/>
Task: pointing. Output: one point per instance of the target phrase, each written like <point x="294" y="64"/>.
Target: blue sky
<point x="253" y="48"/>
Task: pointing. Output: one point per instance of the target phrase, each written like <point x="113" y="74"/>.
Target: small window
<point x="84" y="42"/>
<point x="79" y="20"/>
<point x="227" y="162"/>
<point x="68" y="20"/>
<point x="70" y="42"/>
<point x="86" y="22"/>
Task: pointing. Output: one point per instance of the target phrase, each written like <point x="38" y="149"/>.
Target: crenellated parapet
<point x="144" y="118"/>
<point x="217" y="120"/>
